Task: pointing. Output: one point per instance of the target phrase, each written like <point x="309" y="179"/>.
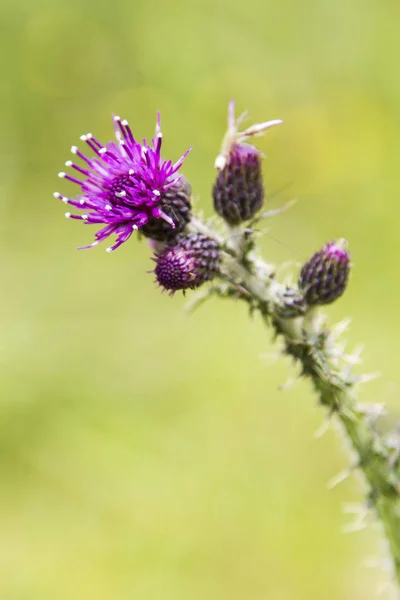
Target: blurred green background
<point x="149" y="454"/>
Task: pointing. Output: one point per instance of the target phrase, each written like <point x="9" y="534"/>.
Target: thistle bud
<point x="238" y="192"/>
<point x="187" y="263"/>
<point x="324" y="277"/>
<point x="176" y="204"/>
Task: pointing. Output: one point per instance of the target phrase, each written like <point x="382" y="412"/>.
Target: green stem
<point x="314" y="347"/>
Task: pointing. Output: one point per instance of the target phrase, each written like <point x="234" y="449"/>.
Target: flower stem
<point x="313" y="346"/>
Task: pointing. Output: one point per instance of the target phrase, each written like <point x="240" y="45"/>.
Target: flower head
<point x="187" y="263"/>
<point x="238" y="191"/>
<point x="125" y="185"/>
<point x="324" y="277"/>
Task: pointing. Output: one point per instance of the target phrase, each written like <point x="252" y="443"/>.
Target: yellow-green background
<point x="146" y="454"/>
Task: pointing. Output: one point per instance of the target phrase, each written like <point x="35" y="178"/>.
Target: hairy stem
<point x="307" y="340"/>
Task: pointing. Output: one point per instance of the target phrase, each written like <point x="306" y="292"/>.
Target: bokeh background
<point x="149" y="454"/>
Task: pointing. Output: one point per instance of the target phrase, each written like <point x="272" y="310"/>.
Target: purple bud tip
<point x="324" y="277"/>
<point x="126" y="185"/>
<point x="337" y="250"/>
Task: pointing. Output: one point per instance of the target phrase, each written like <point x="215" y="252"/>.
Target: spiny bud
<point x="324" y="277"/>
<point x="187" y="263"/>
<point x="175" y="203"/>
<point x="238" y="192"/>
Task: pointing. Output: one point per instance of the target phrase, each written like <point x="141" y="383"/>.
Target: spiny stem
<point x="314" y="347"/>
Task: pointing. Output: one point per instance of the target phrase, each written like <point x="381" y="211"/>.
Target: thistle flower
<point x="188" y="263"/>
<point x="238" y="191"/>
<point x="324" y="277"/>
<point x="126" y="186"/>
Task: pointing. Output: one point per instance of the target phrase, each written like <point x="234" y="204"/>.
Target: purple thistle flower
<point x="124" y="186"/>
<point x="238" y="192"/>
<point x="188" y="263"/>
<point x="324" y="277"/>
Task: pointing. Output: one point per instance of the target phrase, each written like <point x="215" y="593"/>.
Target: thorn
<point x="355" y="357"/>
<point x="322" y="429"/>
<point x="74" y="149"/>
<point x="259" y="128"/>
<point x="287" y="385"/>
<point x="368" y="377"/>
<point x="340" y="327"/>
<point x="360" y="511"/>
<point x="372" y="411"/>
<point x="338" y="350"/>
<point x="357" y="525"/>
<point x="270" y="358"/>
<point x="339" y="478"/>
<point x="61" y="174"/>
<point x="353" y="508"/>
